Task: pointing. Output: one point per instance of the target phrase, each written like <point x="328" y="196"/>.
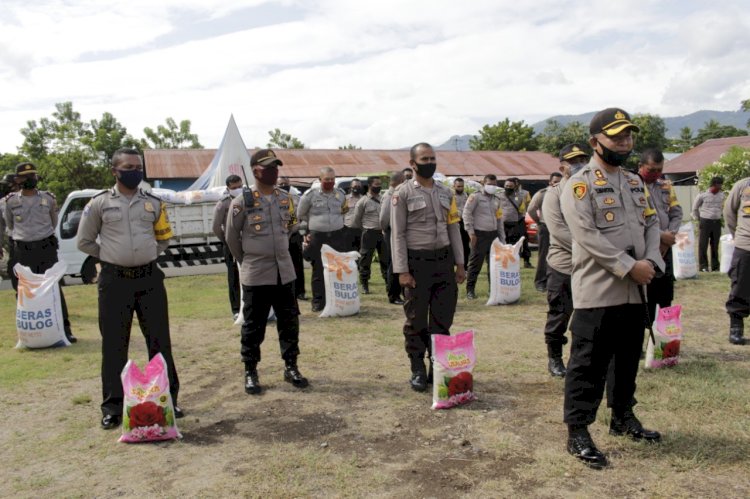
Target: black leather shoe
<point x="541" y="288"/>
<point x="582" y="447"/>
<point x="527" y="265"/>
<point x="396" y="301"/>
<point x="317" y="307"/>
<point x="302" y="297"/>
<point x="365" y="288"/>
<point x="470" y="295"/>
<point x="252" y="385"/>
<point x="704" y="269"/>
<point x="178" y="412"/>
<point x="627" y="424"/>
<point x="72" y="338"/>
<point x="293" y="376"/>
<point x="556" y="367"/>
<point x="111" y="421"/>
<point x="418" y="382"/>
<point x="736" y="336"/>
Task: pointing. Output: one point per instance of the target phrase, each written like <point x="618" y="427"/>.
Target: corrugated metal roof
<point x="700" y="156"/>
<point x="306" y="163"/>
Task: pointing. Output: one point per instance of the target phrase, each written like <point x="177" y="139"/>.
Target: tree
<point x="652" y="132"/>
<point x="107" y="136"/>
<point x="733" y="165"/>
<point x="172" y="136"/>
<point x="715" y="130"/>
<point x="746" y="108"/>
<point x="685" y="141"/>
<point x="556" y="136"/>
<point x="505" y="136"/>
<point x="281" y="140"/>
<point x="350" y="147"/>
<point x="64" y="149"/>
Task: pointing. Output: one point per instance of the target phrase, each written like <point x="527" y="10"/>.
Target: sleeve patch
<point x="579" y="190"/>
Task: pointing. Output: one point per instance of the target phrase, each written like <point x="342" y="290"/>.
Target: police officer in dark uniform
<point x="535" y="212"/>
<point x="234" y="189"/>
<point x="615" y="250"/>
<point x="367" y="218"/>
<point x="9" y="187"/>
<point x="295" y="242"/>
<point x="393" y="288"/>
<point x="257" y="231"/>
<point x="459" y="190"/>
<point x="132" y="229"/>
<point x="352" y="234"/>
<point x="426" y="244"/>
<point x="737" y="216"/>
<point x="31" y="217"/>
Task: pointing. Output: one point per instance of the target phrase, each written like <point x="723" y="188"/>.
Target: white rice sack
<point x="202" y="196"/>
<point x="167" y="195"/>
<point x="684" y="262"/>
<point x="505" y="273"/>
<point x="240" y="316"/>
<point x="39" y="319"/>
<point x="726" y="250"/>
<point x="340" y="276"/>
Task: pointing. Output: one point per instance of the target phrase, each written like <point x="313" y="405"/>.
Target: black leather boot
<point x="736" y="331"/>
<point x="624" y="422"/>
<point x="470" y="294"/>
<point x="365" y="288"/>
<point x="252" y="385"/>
<point x="582" y="447"/>
<point x="293" y="376"/>
<point x="555" y="364"/>
<point x="418" y="374"/>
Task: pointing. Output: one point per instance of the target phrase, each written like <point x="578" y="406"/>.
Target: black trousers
<point x="540" y="279"/>
<point x="371" y="241"/>
<point x="465" y="240"/>
<point x="661" y="289"/>
<point x="40" y="256"/>
<point x="11" y="262"/>
<point x="257" y="303"/>
<point x="738" y="302"/>
<point x="479" y="253"/>
<point x="606" y="346"/>
<point x="430" y="307"/>
<point x="295" y="250"/>
<point x="393" y="288"/>
<point x="233" y="280"/>
<point x="352" y="239"/>
<point x="119" y="297"/>
<point x="709" y="233"/>
<point x="336" y="240"/>
<point x="559" y="309"/>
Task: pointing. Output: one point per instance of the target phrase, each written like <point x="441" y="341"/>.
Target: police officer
<point x="535" y="212"/>
<point x="669" y="213"/>
<point x="31" y="217"/>
<point x="367" y="217"/>
<point x="257" y="230"/>
<point x="615" y="250"/>
<point x="322" y="209"/>
<point x="737" y="216"/>
<point x="522" y="200"/>
<point x="707" y="209"/>
<point x="426" y="244"/>
<point x="393" y="288"/>
<point x="295" y="242"/>
<point x="559" y="262"/>
<point x="126" y="228"/>
<point x="408" y="173"/>
<point x="9" y="187"/>
<point x="484" y="222"/>
<point x="511" y="204"/>
<point x="234" y="189"/>
<point x="352" y="233"/>
<point x="459" y="191"/>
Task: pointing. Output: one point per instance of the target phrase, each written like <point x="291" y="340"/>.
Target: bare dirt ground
<point x="359" y="430"/>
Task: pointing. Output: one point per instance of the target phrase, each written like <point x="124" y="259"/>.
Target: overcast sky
<point x="382" y="74"/>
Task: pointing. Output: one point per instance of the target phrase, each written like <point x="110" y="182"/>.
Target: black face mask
<point x="356" y="190"/>
<point x="459" y="191"/>
<point x="509" y="191"/>
<point x="426" y="170"/>
<point x="30" y="183"/>
<point x="285" y="187"/>
<point x="375" y="190"/>
<point x="613" y="158"/>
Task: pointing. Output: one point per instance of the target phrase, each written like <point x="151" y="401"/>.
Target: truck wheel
<point x="90" y="271"/>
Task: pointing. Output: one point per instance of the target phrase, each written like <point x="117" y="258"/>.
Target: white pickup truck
<point x="193" y="242"/>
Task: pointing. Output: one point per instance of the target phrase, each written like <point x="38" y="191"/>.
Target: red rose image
<point x="460" y="383"/>
<point x="146" y="414"/>
<point x="671" y="349"/>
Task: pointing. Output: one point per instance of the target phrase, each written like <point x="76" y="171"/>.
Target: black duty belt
<point x="130" y="272"/>
<point x="430" y="255"/>
<point x="326" y="234"/>
<point x="36" y="244"/>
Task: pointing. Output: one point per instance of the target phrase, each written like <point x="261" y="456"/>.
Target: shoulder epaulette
<point x="147" y="193"/>
<point x="100" y="193"/>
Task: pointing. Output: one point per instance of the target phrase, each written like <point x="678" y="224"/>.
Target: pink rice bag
<point x="148" y="411"/>
<point x="454" y="359"/>
<point x="668" y="335"/>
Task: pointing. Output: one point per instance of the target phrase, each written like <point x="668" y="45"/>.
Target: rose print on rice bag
<point x="454" y="358"/>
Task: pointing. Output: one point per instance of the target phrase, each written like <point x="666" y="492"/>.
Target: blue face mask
<point x="130" y="178"/>
<point x="576" y="167"/>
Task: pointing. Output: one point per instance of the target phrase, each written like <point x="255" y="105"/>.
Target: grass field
<point x="359" y="430"/>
